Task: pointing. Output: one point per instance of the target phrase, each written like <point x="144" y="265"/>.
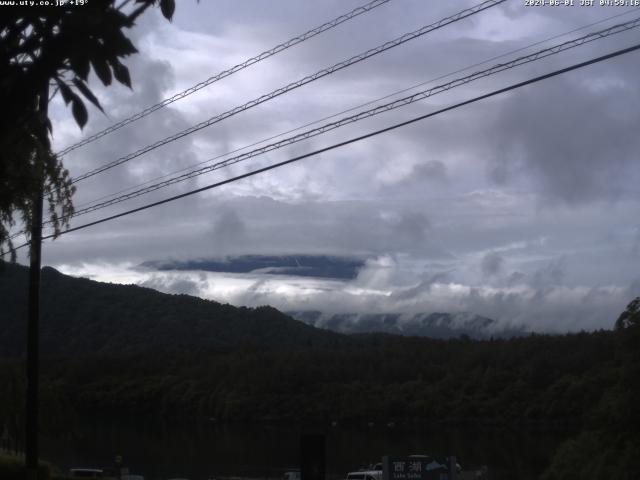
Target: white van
<point x="86" y="473"/>
<point x="291" y="475"/>
<point x="365" y="475"/>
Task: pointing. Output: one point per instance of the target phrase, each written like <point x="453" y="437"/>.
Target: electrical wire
<point x="299" y="83"/>
<point x="358" y="58"/>
<point x="352" y="140"/>
<point x="225" y="73"/>
<point x="351" y="109"/>
<point x="544" y="53"/>
<point x="118" y="198"/>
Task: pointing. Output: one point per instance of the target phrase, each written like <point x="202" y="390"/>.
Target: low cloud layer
<point x="384" y="285"/>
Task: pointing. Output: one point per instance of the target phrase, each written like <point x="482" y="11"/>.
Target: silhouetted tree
<point x="42" y="47"/>
<point x="628" y="332"/>
<point x="611" y="448"/>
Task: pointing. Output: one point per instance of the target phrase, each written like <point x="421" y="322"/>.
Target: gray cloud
<point x="550" y="274"/>
<point x="433" y="170"/>
<point x="545" y="177"/>
<point x="228" y="230"/>
<point x="574" y="155"/>
<point x="516" y="278"/>
<point x="636" y="242"/>
<point x="176" y="286"/>
<point x="492" y="264"/>
<point x="634" y="289"/>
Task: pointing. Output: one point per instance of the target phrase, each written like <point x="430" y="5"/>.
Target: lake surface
<point x="206" y="450"/>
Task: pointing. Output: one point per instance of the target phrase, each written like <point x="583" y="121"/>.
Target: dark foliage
<point x="127" y="350"/>
<point x="609" y="446"/>
<point x="13" y="468"/>
<point x="546" y="380"/>
<point x="133" y="349"/>
<point x="53" y="47"/>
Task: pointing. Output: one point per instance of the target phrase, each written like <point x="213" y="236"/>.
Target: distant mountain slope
<point x="84" y="316"/>
<point x="434" y="325"/>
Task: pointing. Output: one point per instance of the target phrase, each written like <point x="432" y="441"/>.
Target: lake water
<point x="202" y="451"/>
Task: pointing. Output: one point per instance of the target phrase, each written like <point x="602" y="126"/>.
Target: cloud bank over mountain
<point x="522" y="208"/>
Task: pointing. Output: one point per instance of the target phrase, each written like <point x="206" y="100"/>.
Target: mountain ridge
<point x="80" y="316"/>
<point x="438" y="325"/>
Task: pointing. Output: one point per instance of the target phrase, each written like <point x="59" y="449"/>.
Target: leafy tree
<point x="630" y="318"/>
<point x="612" y="448"/>
<point x="628" y="333"/>
<point x="43" y="47"/>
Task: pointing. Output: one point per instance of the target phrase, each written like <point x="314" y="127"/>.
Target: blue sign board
<point x="416" y="467"/>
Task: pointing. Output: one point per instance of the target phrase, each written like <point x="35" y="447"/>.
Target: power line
<point x="93" y="206"/>
<point x="225" y="73"/>
<point x="353" y="140"/>
<point x="308" y="79"/>
<point x="544" y="53"/>
<point x="371" y="102"/>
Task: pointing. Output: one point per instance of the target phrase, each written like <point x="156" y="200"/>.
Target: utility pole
<point x="33" y="319"/>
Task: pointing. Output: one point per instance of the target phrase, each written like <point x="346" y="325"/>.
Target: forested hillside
<point x="105" y="354"/>
<point x="126" y="348"/>
<point x="80" y="316"/>
<point x="373" y="377"/>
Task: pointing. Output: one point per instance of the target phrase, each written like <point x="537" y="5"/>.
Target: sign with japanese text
<point x="414" y="468"/>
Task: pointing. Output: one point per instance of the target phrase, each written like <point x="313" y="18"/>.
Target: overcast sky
<point x="523" y="207"/>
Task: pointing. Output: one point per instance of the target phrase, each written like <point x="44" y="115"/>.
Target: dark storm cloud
<point x="492" y="264"/>
<point x="432" y="170"/>
<point x="516" y="278"/>
<point x="411" y="228"/>
<point x="552" y="273"/>
<point x="574" y="138"/>
<point x="228" y="230"/>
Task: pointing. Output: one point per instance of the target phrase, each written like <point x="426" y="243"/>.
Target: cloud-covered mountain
<point x="497" y="208"/>
<point x="434" y="325"/>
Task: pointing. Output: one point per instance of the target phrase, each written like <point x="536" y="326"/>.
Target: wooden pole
<point x="33" y="318"/>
